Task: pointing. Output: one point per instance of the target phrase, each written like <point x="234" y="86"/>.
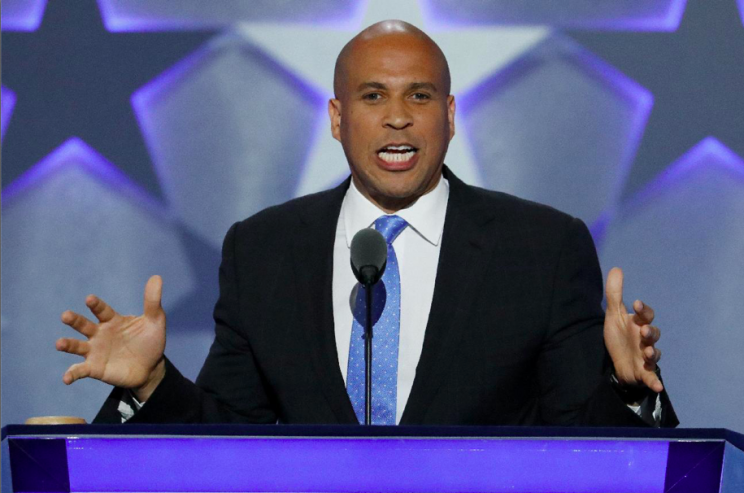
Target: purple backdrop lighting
<point x="741" y="10"/>
<point x="118" y="19"/>
<point x="633" y="93"/>
<point x="75" y="150"/>
<point x="668" y="22"/>
<point x="22" y="15"/>
<point x="229" y="102"/>
<point x="159" y="87"/>
<point x="146" y="96"/>
<point x="74" y="224"/>
<point x="610" y="164"/>
<point x="643" y="101"/>
<point x="134" y="15"/>
<point x="8" y="101"/>
<point x="695" y="157"/>
<point x="658" y="16"/>
<point x="624" y="86"/>
<point x="351" y="22"/>
<point x="383" y="465"/>
<point x="432" y="21"/>
<point x="690" y="270"/>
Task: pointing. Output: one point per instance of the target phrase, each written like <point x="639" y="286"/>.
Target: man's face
<point x="394" y="118"/>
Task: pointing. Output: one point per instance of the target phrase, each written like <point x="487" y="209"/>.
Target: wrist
<point x="156" y="376"/>
<point x="632" y="395"/>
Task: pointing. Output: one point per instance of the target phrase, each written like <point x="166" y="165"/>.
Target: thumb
<point x="153" y="295"/>
<point x="614" y="290"/>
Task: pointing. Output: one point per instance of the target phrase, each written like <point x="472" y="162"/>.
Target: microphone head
<point x="368" y="256"/>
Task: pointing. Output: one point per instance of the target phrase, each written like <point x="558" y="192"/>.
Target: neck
<point x="391" y="205"/>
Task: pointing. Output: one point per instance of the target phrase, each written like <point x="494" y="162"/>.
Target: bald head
<point x="393" y="113"/>
<point x="390" y="31"/>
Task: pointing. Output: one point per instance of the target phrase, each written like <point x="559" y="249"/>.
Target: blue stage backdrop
<point x="134" y="133"/>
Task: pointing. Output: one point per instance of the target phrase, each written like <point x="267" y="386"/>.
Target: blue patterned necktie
<point x="385" y="332"/>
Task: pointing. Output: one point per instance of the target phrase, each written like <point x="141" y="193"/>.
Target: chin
<point x="403" y="193"/>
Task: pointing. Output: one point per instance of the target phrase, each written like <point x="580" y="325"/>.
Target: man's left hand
<point x="630" y="338"/>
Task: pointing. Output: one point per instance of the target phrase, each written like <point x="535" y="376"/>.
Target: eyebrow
<point x="413" y="86"/>
<point x="422" y="85"/>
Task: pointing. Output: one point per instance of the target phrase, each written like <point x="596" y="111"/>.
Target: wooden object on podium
<point x="55" y="420"/>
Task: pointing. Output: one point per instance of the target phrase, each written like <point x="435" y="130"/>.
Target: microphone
<point x="368" y="256"/>
<point x="368" y="261"/>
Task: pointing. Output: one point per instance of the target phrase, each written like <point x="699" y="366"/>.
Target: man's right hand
<point x="121" y="350"/>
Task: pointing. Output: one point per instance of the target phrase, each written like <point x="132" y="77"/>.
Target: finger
<point x="73" y="346"/>
<point x="651" y="356"/>
<point x="644" y="314"/>
<point x="650" y="335"/>
<point x="76" y="372"/>
<point x="614" y="290"/>
<point x="100" y="308"/>
<point x="153" y="295"/>
<point x="79" y="323"/>
<point x="653" y="382"/>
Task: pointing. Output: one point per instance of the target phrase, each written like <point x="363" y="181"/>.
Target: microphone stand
<point x="368" y="359"/>
<point x="368" y="275"/>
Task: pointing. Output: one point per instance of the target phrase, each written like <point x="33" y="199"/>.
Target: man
<point x="492" y="305"/>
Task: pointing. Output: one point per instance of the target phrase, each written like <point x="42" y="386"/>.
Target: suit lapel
<point x="462" y="264"/>
<point x="313" y="259"/>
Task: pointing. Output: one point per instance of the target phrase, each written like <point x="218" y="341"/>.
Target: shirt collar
<point x="425" y="216"/>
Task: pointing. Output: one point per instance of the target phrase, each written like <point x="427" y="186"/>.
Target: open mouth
<point x="397" y="153"/>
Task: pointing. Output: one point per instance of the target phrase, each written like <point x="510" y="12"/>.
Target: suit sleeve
<point x="574" y="367"/>
<point x="229" y="387"/>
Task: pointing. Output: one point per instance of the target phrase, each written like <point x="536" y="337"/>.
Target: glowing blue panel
<point x="145" y="15"/>
<point x="659" y="15"/>
<point x="74" y="225"/>
<point x="681" y="245"/>
<point x="8" y="101"/>
<point x="22" y="15"/>
<point x="732" y="476"/>
<point x="382" y="465"/>
<point x="558" y="126"/>
<point x="229" y="130"/>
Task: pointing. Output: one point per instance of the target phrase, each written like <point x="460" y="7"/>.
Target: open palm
<point x="121" y="350"/>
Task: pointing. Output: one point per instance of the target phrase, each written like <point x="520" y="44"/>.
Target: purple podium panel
<point x="240" y="458"/>
<point x="365" y="464"/>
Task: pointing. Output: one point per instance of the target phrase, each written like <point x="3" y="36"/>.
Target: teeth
<point x="396" y="157"/>
<point x="400" y="148"/>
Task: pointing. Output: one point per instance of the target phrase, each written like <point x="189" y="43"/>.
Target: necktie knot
<point x="390" y="227"/>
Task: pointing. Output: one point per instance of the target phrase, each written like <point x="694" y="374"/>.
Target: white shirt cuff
<point x="128" y="405"/>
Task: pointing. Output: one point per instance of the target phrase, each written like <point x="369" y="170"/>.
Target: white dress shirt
<point x="417" y="249"/>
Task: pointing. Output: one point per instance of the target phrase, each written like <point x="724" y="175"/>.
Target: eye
<point x="420" y="96"/>
<point x="372" y="96"/>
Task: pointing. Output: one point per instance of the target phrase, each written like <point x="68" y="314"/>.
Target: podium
<point x="281" y="458"/>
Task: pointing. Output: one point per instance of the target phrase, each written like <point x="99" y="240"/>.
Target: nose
<point x="398" y="115"/>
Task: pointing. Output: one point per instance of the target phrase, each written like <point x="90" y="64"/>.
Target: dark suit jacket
<point x="514" y="335"/>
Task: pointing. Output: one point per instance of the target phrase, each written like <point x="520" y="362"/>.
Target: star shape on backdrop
<point x="696" y="76"/>
<point x="57" y="73"/>
<point x="310" y="52"/>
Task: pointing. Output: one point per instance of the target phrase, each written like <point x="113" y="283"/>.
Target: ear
<point x="334" y="112"/>
<point x="451" y="115"/>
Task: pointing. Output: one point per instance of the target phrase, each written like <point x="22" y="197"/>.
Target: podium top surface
<point x="341" y="431"/>
<point x="279" y="430"/>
